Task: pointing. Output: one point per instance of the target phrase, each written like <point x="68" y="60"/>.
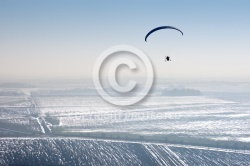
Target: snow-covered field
<point x="16" y="116"/>
<point x="13" y="101"/>
<point x="212" y="117"/>
<point x="74" y="151"/>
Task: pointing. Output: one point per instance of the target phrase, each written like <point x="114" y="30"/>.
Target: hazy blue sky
<point x="62" y="39"/>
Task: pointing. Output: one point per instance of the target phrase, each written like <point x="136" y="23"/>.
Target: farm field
<point x="75" y="151"/>
<point x="63" y="129"/>
<point x="219" y="118"/>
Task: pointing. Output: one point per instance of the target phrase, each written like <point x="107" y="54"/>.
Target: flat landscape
<point x="75" y="151"/>
<point x="69" y="127"/>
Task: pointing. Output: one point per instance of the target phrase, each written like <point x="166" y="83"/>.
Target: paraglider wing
<point x="161" y="27"/>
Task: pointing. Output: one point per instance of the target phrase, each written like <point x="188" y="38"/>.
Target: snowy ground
<point x="217" y="117"/>
<point x="65" y="151"/>
<point x="200" y="117"/>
